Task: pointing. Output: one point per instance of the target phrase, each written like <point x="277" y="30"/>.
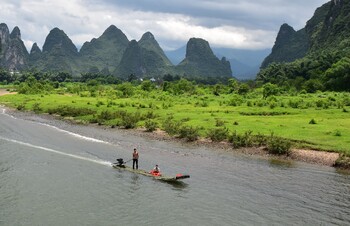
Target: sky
<point x="238" y="24"/>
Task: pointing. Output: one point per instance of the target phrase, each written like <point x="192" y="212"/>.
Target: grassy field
<point x="320" y="121"/>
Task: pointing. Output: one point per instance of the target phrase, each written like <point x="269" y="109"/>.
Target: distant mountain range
<point x="320" y="51"/>
<point x="111" y="53"/>
<point x="245" y="64"/>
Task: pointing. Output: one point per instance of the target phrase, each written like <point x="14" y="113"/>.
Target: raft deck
<point x="176" y="178"/>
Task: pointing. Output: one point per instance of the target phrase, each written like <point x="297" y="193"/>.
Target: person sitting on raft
<point x="156" y="171"/>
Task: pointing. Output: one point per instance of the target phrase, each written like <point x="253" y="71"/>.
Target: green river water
<point x="54" y="173"/>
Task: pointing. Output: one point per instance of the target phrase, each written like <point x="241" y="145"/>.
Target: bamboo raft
<point x="176" y="178"/>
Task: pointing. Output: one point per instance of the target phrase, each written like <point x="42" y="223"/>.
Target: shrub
<point x="171" y="126"/>
<point x="218" y="134"/>
<point x="201" y="104"/>
<point x="36" y="107"/>
<point x="337" y="133"/>
<point x="186" y="119"/>
<point x="264" y="113"/>
<point x="151" y="125"/>
<point x="21" y="107"/>
<point x="295" y="103"/>
<point x="130" y="120"/>
<point x="189" y="132"/>
<point x="219" y="122"/>
<point x="320" y="103"/>
<point x="246" y="140"/>
<point x="260" y="139"/>
<point x="236" y="100"/>
<point x="150" y="115"/>
<point x="343" y="162"/>
<point x="111" y="103"/>
<point x="312" y="121"/>
<point x="273" y="104"/>
<point x="71" y="111"/>
<point x="236" y="140"/>
<point x="278" y="146"/>
<point x="106" y="115"/>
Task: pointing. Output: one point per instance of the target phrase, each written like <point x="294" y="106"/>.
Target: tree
<point x="147" y="85"/>
<point x="126" y="88"/>
<point x="5" y="76"/>
<point x="131" y="77"/>
<point x="183" y="86"/>
<point x="338" y="76"/>
<point x="233" y="85"/>
<point x="269" y="90"/>
<point x="312" y="85"/>
<point x="243" y="89"/>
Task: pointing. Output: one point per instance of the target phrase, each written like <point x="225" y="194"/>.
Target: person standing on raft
<point x="135" y="159"/>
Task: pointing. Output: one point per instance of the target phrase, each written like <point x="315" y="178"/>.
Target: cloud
<point x="224" y="23"/>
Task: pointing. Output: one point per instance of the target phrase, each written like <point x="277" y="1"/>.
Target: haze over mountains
<point x="245" y="64"/>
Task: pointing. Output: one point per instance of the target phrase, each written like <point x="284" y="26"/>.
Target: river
<point x="55" y="173"/>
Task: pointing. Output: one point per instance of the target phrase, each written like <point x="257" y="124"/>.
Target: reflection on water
<point x="135" y="182"/>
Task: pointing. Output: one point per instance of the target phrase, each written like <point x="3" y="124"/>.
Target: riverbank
<point x="302" y="155"/>
<point x="6" y="92"/>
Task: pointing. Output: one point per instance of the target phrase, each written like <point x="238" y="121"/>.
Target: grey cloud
<point x="83" y="19"/>
<point x="252" y="14"/>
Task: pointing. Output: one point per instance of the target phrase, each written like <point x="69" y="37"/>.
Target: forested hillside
<point x="325" y="65"/>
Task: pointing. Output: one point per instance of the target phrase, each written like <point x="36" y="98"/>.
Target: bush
<point x="246" y="140"/>
<point x="278" y="146"/>
<point x="151" y="115"/>
<point x="170" y="126"/>
<point x="320" y="103"/>
<point x="273" y="104"/>
<point x="99" y="103"/>
<point x="189" y="132"/>
<point x="36" y="107"/>
<point x="151" y="125"/>
<point x="236" y="140"/>
<point x="219" y="122"/>
<point x="337" y="133"/>
<point x="130" y="120"/>
<point x="312" y="122"/>
<point x="21" y="107"/>
<point x="106" y="115"/>
<point x="343" y="162"/>
<point x="218" y="134"/>
<point x="71" y="111"/>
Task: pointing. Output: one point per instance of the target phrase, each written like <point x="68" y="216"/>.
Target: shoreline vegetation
<point x="302" y="154"/>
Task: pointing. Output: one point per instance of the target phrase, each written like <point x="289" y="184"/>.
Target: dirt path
<point x="5" y="92"/>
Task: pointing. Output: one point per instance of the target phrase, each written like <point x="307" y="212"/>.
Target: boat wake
<point x="97" y="161"/>
<point x="75" y="134"/>
<point x="3" y="112"/>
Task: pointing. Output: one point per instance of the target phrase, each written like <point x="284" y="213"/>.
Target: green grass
<point x="331" y="131"/>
